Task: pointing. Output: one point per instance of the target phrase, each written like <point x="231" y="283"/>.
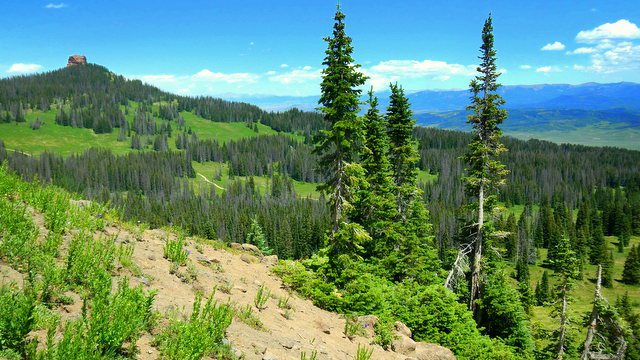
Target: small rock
<point x="403" y="345"/>
<point x="259" y="348"/>
<point x="252" y="249"/>
<point x="270" y="260"/>
<point x="428" y="351"/>
<point x="324" y="327"/>
<point x="237" y="352"/>
<point x="203" y="260"/>
<point x="144" y="281"/>
<point x="403" y="329"/>
<point x="249" y="259"/>
<point x="269" y="356"/>
<point x="236" y="246"/>
<point x="151" y="257"/>
<point x="240" y="289"/>
<point x="290" y="344"/>
<point x="149" y="351"/>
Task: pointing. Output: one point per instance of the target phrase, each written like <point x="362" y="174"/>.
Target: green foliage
<point x="502" y="314"/>
<point x="247" y="316"/>
<point x="18" y="233"/>
<point x="109" y="328"/>
<point x="631" y="272"/>
<point x="262" y="295"/>
<point x="175" y="252"/>
<point x="256" y="236"/>
<point x="484" y="169"/>
<point x="339" y="146"/>
<point x="403" y="153"/>
<point x="124" y="254"/>
<point x="89" y="262"/>
<point x="16" y="318"/>
<point x="543" y="290"/>
<point x="313" y="356"/>
<point x="351" y="326"/>
<point x="363" y="353"/>
<point x="283" y="302"/>
<point x="199" y="336"/>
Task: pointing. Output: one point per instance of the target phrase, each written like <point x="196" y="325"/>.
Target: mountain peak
<point x="77" y="60"/>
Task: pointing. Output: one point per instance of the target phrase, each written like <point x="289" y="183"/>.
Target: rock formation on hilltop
<point x="77" y="60"/>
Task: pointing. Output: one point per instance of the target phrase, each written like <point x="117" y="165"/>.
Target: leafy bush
<point x="17" y="233"/>
<point x="16" y="318"/>
<point x="199" y="336"/>
<point x="113" y="321"/>
<point x="260" y="301"/>
<point x="363" y="353"/>
<point x="89" y="262"/>
<point x="174" y="251"/>
<point x="124" y="253"/>
<point x="246" y="315"/>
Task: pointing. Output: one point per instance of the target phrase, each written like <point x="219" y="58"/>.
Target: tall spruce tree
<point x="340" y="145"/>
<point x="403" y="152"/>
<point x="376" y="211"/>
<point x="484" y="171"/>
<point x="631" y="272"/>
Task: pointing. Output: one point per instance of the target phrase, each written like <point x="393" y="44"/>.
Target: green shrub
<point x="352" y="327"/>
<point x="246" y="315"/>
<point x="16" y="318"/>
<point x="175" y="252"/>
<point x="17" y="233"/>
<point x="260" y="300"/>
<point x="199" y="336"/>
<point x="314" y="355"/>
<point x="110" y="322"/>
<point x="124" y="253"/>
<point x="89" y="262"/>
<point x="363" y="353"/>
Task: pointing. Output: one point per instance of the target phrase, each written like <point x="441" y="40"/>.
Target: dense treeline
<point x="151" y="187"/>
<point x="255" y="156"/>
<point x="91" y="97"/>
<point x="539" y="171"/>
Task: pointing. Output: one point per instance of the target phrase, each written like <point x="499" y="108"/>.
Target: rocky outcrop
<point x="77" y="60"/>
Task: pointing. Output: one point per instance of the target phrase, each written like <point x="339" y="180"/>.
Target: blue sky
<point x="265" y="47"/>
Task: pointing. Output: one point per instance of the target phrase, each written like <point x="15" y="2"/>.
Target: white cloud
<point x="621" y="29"/>
<point x="297" y="76"/>
<point x="55" y="6"/>
<point x="284" y="66"/>
<point x="252" y="43"/>
<point x="544" y="69"/>
<point x="556" y="46"/>
<point x="503" y="71"/>
<point x="525" y="67"/>
<point x="21" y="68"/>
<point x="442" y="77"/>
<point x="271" y="72"/>
<point x="231" y="78"/>
<point x="582" y="51"/>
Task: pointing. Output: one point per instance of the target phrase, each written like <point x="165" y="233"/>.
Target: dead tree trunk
<point x="593" y="322"/>
<point x="563" y="322"/>
<point x="477" y="254"/>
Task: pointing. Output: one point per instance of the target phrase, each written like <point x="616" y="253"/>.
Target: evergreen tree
<point x="566" y="271"/>
<point x="339" y="145"/>
<point x="376" y="211"/>
<point x="631" y="272"/>
<point x="257" y="238"/>
<point x="543" y="290"/>
<point x="403" y="152"/>
<point x="484" y="172"/>
<point x="607" y="270"/>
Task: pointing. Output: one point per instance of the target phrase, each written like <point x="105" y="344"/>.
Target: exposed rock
<point x="428" y="351"/>
<point x="249" y="259"/>
<point x="403" y="345"/>
<point x="368" y="323"/>
<point x="77" y="60"/>
<point x="403" y="329"/>
<point x="269" y="356"/>
<point x="252" y="249"/>
<point x="269" y="260"/>
<point x="323" y="326"/>
<point x="236" y="246"/>
<point x="241" y="289"/>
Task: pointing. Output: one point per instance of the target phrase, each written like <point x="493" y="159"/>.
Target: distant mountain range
<point x="590" y="114"/>
<point x="589" y="96"/>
